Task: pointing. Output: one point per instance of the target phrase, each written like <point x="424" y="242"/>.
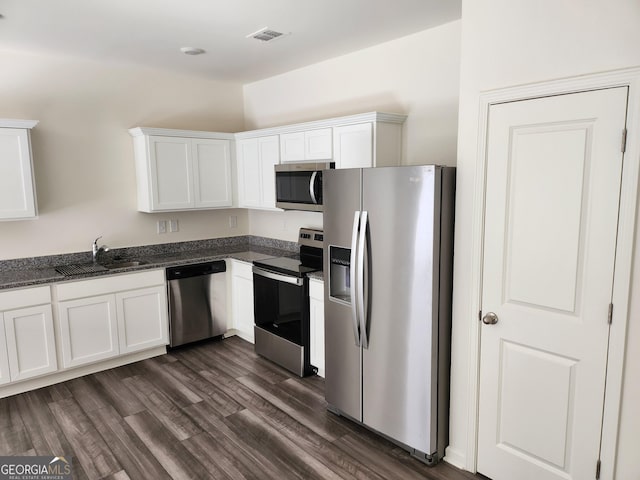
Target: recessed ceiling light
<point x="192" y="51"/>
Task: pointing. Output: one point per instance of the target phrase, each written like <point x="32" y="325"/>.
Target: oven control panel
<point x="311" y="238"/>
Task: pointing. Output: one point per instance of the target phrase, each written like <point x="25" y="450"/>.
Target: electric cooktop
<point x="286" y="265"/>
<point x="310" y="260"/>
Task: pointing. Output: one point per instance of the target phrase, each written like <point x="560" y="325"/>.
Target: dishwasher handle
<point x="196" y="269"/>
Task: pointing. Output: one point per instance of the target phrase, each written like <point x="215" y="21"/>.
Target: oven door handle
<point x="278" y="277"/>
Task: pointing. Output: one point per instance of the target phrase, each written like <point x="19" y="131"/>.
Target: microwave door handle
<point x="352" y="278"/>
<point x="312" y="189"/>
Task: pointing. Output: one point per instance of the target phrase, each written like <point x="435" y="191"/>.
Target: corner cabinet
<point x="17" y="188"/>
<point x="256" y="175"/>
<point x="182" y="170"/>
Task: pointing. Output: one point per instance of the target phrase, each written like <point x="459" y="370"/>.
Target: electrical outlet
<point x="233" y="221"/>
<point x="173" y="226"/>
<point x="162" y="226"/>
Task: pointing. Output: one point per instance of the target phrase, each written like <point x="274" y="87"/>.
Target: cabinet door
<point x="292" y="147"/>
<point x="305" y="146"/>
<point x="212" y="173"/>
<point x="31" y="345"/>
<point x="88" y="330"/>
<point x="249" y="180"/>
<point x="171" y="173"/>
<point x="5" y="376"/>
<point x="316" y="311"/>
<point x="17" y="197"/>
<point x="242" y="298"/>
<point x="142" y="319"/>
<point x="353" y="146"/>
<point x="269" y="158"/>
<point x="317" y="144"/>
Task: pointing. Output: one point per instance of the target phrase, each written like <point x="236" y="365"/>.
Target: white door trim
<point x="624" y="250"/>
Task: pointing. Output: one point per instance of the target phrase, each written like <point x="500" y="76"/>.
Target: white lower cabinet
<point x="142" y="319"/>
<point x="106" y="317"/>
<point x="88" y="330"/>
<point x="27" y="340"/>
<point x="316" y="319"/>
<point x="5" y="376"/>
<point x="242" y="299"/>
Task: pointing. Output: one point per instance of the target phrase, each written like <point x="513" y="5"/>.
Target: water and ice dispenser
<point x="340" y="274"/>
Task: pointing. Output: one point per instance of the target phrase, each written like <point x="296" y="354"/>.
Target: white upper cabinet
<point x="212" y="173"/>
<point x="257" y="158"/>
<point x="182" y="170"/>
<point x="369" y="144"/>
<point x="17" y="190"/>
<point x="371" y="139"/>
<point x="310" y="145"/>
<point x="353" y="146"/>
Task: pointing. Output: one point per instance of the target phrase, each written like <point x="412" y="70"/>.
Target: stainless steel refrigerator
<point x="388" y="240"/>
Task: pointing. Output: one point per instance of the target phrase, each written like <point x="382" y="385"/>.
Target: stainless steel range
<point x="281" y="304"/>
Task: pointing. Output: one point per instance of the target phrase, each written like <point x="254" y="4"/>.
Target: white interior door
<point x="553" y="181"/>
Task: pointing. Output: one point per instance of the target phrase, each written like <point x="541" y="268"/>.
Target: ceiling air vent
<point x="265" y="35"/>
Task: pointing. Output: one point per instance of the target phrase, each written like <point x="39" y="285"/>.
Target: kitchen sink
<point x="124" y="264"/>
<point x="80" y="269"/>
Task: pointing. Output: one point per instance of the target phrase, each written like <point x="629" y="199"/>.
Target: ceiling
<point x="151" y="32"/>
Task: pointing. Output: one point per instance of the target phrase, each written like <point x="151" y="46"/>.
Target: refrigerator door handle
<point x="362" y="245"/>
<point x="352" y="278"/>
<point x="312" y="189"/>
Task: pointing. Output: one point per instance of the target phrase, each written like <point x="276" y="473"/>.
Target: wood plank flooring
<point x="215" y="410"/>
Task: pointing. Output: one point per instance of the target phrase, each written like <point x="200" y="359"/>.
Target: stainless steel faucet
<point x="95" y="250"/>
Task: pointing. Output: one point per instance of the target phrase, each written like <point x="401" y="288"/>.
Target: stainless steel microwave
<point x="299" y="185"/>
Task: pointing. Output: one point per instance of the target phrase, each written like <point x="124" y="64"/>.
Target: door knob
<point x="490" y="318"/>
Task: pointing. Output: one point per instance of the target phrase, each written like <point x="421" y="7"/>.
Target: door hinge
<point x="610" y="314"/>
<point x="598" y="465"/>
<point x="623" y="146"/>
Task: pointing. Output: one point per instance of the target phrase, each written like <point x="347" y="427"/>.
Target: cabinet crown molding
<point x="170" y="132"/>
<point x="325" y="123"/>
<point x="16" y="123"/>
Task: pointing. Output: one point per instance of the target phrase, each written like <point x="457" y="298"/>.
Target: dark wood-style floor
<point x="215" y="410"/>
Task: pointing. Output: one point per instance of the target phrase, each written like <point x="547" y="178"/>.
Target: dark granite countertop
<point x="28" y="272"/>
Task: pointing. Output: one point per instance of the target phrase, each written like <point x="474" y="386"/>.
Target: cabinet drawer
<point x="25" y="297"/>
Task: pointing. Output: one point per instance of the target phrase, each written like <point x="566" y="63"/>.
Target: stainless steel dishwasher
<point x="197" y="302"/>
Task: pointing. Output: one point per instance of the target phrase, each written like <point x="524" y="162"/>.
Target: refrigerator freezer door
<point x="342" y="198"/>
<point x="399" y="366"/>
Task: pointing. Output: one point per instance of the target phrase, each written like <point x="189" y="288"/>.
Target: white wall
<point x="511" y="42"/>
<point x="83" y="155"/>
<point x="416" y="75"/>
